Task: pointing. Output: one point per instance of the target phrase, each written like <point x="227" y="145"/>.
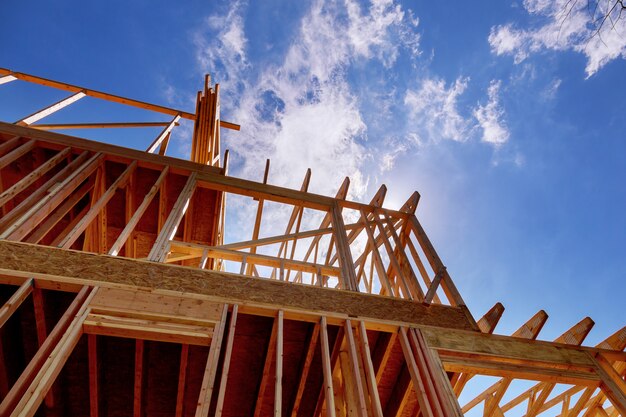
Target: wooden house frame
<point x="119" y="295"/>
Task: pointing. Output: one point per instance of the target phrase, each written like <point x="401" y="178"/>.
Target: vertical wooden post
<point x="225" y="369"/>
<point x="306" y="366"/>
<point x="139" y="376"/>
<point x="369" y="371"/>
<point x="355" y="370"/>
<point x="327" y="370"/>
<point x="348" y="274"/>
<point x="418" y="384"/>
<point x="182" y="378"/>
<point x="208" y="380"/>
<point x="278" y="388"/>
<point x="92" y="348"/>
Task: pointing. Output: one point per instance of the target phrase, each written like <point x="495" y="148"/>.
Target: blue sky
<point x="507" y="119"/>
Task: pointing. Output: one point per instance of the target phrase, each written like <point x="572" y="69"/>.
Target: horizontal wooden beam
<point x="104" y="96"/>
<point x="514" y="349"/>
<point x="198" y="251"/>
<point x="95" y="125"/>
<point x="208" y="177"/>
<point x="136" y="328"/>
<point x="534" y="372"/>
<point x="124" y="154"/>
<point x="56" y="268"/>
<point x="510" y="357"/>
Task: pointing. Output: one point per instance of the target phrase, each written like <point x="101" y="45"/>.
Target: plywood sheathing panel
<point x="202" y="211"/>
<point x="78" y="267"/>
<point x="248" y="357"/>
<point x="144" y="181"/>
<point x="195" y="371"/>
<point x="142" y="241"/>
<point x="116" y="206"/>
<point x="160" y="379"/>
<point x="294" y="348"/>
<point x="117" y="371"/>
<point x="75" y="374"/>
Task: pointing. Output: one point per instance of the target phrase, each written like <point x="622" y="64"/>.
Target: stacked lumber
<point x="205" y="145"/>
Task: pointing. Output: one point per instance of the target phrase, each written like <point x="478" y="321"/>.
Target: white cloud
<point x="490" y="117"/>
<point x="391" y="151"/>
<point x="566" y="25"/>
<point x="550" y="92"/>
<point x="221" y="46"/>
<point x="301" y="112"/>
<point x="433" y="108"/>
<point x="506" y="40"/>
<point x="369" y="34"/>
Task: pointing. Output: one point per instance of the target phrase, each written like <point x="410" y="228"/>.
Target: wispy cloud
<point x="490" y="117"/>
<point x="434" y="110"/>
<point x="565" y="25"/>
<point x="302" y="112"/>
<point x="221" y="46"/>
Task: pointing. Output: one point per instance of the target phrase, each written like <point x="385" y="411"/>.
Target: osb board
<point x="252" y="335"/>
<point x="203" y="215"/>
<point x="144" y="302"/>
<point x="73" y="266"/>
<point x="141" y="241"/>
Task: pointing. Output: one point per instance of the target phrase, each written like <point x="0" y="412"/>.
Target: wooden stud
<point x="139" y="377"/>
<point x="418" y="385"/>
<point x="40" y="317"/>
<point x="392" y="259"/>
<point x="355" y="370"/>
<point x="33" y="384"/>
<point x="36" y="196"/>
<point x="208" y="380"/>
<point x="306" y="366"/>
<point x="16" y="153"/>
<point x="92" y="347"/>
<point x="7" y="79"/>
<point x="29" y="179"/>
<point x="369" y="368"/>
<point x="269" y="356"/>
<point x="159" y="249"/>
<point x="40" y="114"/>
<point x="348" y="273"/>
<point x="378" y="262"/>
<point x="226" y="368"/>
<point x="278" y="388"/>
<point x="96" y="207"/>
<point x="34" y="215"/>
<point x="15" y="301"/>
<point x="182" y="379"/>
<point x="132" y="223"/>
<point x="327" y="369"/>
<point x="164" y="134"/>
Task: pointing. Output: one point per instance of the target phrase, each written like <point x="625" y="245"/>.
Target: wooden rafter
<point x="422" y="321"/>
